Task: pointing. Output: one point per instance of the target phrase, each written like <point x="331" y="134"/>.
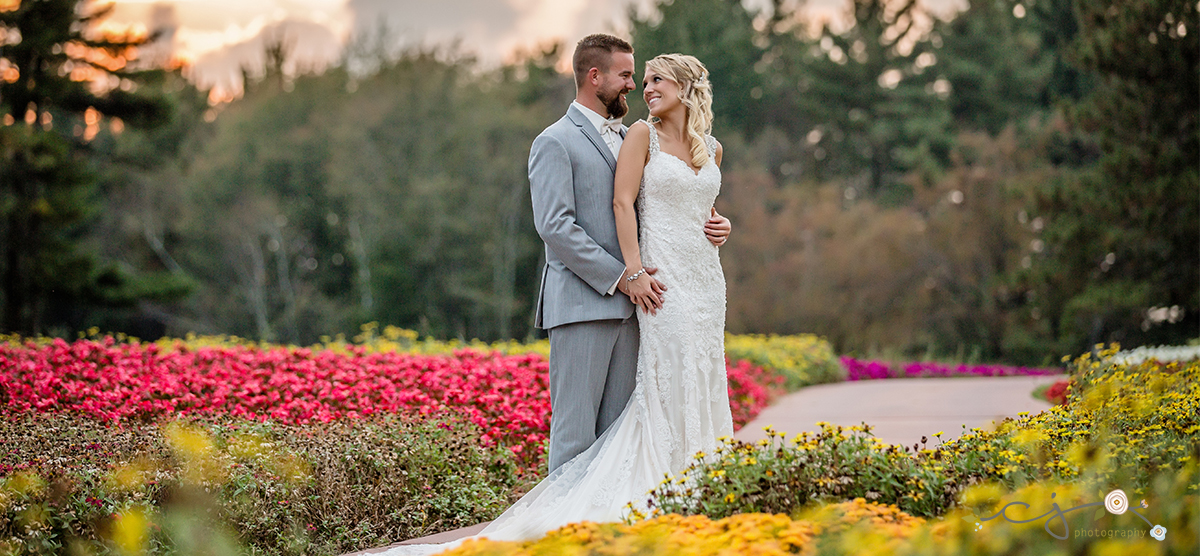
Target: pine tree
<point x="1123" y="235"/>
<point x="878" y="106"/>
<point x="52" y="62"/>
<point x="1006" y="61"/>
<point x="719" y="33"/>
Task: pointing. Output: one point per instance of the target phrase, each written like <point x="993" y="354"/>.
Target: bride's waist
<point x="685" y="244"/>
<point x="679" y="251"/>
<point x="672" y="230"/>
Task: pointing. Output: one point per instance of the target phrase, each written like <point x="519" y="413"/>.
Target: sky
<point x="217" y="37"/>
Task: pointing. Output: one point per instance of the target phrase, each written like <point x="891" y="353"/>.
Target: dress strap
<point x="653" y="137"/>
<point x="712" y="146"/>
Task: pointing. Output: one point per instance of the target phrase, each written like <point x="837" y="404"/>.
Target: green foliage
<point x="878" y="111"/>
<point x="455" y="252"/>
<point x="1122" y="427"/>
<point x="268" y="267"/>
<point x="779" y="476"/>
<point x="271" y="488"/>
<point x="995" y="65"/>
<point x="931" y="278"/>
<point x="1007" y="62"/>
<point x="1121" y="234"/>
<point x="1017" y="268"/>
<point x="138" y="224"/>
<point x="46" y="196"/>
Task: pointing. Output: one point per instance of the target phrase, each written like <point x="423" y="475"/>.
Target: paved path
<point x="900" y="411"/>
<point x="437" y="538"/>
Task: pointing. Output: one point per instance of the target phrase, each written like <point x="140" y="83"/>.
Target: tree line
<point x="1019" y="181"/>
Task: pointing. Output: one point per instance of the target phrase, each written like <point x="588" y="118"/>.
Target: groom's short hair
<point x="595" y="51"/>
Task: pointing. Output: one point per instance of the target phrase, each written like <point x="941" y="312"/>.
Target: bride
<point x="668" y="169"/>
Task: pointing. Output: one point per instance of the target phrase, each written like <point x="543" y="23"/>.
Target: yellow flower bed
<point x="1080" y="530"/>
<point x="754" y="534"/>
<point x="373" y="339"/>
<point x="975" y="527"/>
<point x="1121" y="421"/>
<point x="803" y="360"/>
<point x="393" y="339"/>
<point x="1121" y="425"/>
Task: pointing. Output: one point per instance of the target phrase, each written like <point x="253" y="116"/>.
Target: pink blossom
<point x="506" y="396"/>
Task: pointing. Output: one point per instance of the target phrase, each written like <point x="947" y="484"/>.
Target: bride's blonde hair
<point x="695" y="92"/>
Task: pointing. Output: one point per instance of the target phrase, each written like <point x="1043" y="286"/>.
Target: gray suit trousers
<point x="593" y="369"/>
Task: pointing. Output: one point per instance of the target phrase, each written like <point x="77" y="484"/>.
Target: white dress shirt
<point x="613" y="140"/>
<point x="610" y="136"/>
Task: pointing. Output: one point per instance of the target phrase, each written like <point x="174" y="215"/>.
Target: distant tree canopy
<point x="1017" y="182"/>
<point x="397" y="196"/>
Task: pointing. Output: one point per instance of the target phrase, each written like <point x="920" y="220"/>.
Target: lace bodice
<point x="673" y="204"/>
<point x="674" y="201"/>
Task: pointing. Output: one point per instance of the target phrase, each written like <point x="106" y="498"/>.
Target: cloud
<point x="312" y="46"/>
<point x="492" y="29"/>
<point x="219" y="37"/>
<point x="478" y="24"/>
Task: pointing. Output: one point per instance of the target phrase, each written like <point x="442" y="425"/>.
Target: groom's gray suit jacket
<point x="571" y="181"/>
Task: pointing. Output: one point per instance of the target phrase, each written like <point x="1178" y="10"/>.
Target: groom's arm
<point x="553" y="192"/>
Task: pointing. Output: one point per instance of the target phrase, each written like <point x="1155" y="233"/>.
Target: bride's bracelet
<point x="636" y="275"/>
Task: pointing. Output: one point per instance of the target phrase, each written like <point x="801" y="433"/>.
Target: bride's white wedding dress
<point x="680" y="404"/>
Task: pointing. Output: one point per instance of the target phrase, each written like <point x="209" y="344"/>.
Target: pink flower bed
<point x="507" y="396"/>
<point x="751" y="389"/>
<point x="857" y="369"/>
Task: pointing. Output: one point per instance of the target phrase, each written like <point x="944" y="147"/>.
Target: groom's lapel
<point x="589" y="130"/>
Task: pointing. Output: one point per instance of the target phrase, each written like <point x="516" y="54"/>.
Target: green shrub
<point x="780" y="476"/>
<point x="1121" y="427"/>
<point x="275" y="489"/>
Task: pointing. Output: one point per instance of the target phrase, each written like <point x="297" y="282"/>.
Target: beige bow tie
<point x="614" y="125"/>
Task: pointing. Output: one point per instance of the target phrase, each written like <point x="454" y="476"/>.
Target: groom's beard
<point x="617" y="107"/>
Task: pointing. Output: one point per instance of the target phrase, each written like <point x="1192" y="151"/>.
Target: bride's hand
<point x="646" y="291"/>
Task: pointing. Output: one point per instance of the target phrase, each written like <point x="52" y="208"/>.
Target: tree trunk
<point x="19" y="251"/>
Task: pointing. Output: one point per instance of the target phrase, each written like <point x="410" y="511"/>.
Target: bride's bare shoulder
<point x="639" y="128"/>
<point x="636" y="143"/>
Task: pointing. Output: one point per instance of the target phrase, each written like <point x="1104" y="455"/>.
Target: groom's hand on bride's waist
<point x="717" y="228"/>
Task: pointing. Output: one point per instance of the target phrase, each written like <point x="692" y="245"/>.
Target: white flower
<point x="1116" y="502"/>
<point x="1160" y="353"/>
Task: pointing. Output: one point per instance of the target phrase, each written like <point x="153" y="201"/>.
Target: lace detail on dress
<point x="680" y="404"/>
<point x="653" y="136"/>
<point x="682" y="355"/>
<point x="709" y="141"/>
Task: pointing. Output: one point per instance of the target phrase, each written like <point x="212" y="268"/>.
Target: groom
<point x="592" y="327"/>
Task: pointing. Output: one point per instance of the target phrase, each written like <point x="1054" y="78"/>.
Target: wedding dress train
<point x="680" y="404"/>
